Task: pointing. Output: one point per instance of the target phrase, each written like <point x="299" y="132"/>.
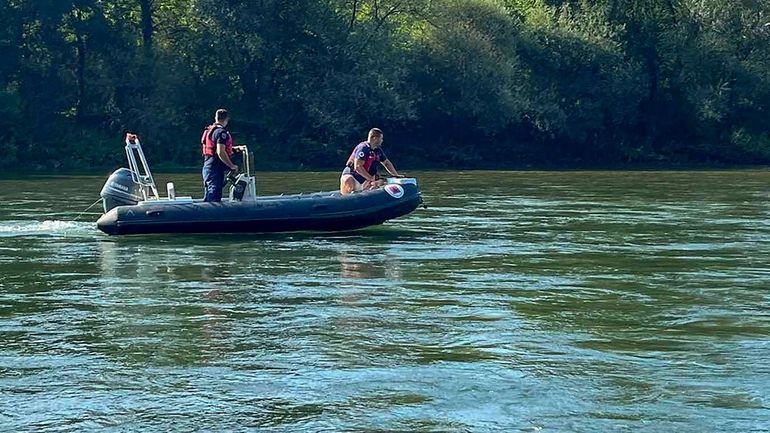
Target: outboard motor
<point x="121" y="190"/>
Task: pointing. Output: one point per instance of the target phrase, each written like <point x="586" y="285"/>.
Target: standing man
<point x="217" y="146"/>
<point x="360" y="171"/>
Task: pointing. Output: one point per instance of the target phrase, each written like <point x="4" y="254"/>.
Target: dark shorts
<point x="349" y="171"/>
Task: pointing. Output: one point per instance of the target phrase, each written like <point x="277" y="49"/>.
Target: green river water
<point x="518" y="301"/>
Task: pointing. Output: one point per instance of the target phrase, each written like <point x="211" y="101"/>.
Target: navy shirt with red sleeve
<point x="369" y="156"/>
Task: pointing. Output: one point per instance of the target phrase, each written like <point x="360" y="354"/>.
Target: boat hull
<point x="328" y="211"/>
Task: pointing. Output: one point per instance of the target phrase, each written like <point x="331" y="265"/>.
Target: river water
<point x="519" y="301"/>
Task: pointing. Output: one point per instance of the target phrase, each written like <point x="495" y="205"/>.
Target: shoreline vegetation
<point x="455" y="84"/>
<point x="189" y="169"/>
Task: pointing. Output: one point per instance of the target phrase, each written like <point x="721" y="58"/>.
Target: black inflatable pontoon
<point x="132" y="206"/>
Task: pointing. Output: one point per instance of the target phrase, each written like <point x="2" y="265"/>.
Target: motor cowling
<point x="121" y="190"/>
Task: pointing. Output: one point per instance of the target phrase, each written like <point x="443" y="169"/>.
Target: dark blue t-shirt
<point x="220" y="135"/>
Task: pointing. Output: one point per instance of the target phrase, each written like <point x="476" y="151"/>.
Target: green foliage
<point x="588" y="90"/>
<point x="472" y="83"/>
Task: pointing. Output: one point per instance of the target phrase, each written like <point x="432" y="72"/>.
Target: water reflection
<point x="369" y="264"/>
<point x="166" y="308"/>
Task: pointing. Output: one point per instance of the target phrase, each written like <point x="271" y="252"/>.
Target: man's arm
<point x="220" y="137"/>
<point x="222" y="154"/>
<point x="358" y="166"/>
<point x="389" y="166"/>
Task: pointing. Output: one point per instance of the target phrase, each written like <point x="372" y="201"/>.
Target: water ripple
<point x="581" y="301"/>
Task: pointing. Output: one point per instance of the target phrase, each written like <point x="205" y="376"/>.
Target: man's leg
<point x="206" y="173"/>
<point x="348" y="184"/>
<point x="213" y="179"/>
<point x="220" y="180"/>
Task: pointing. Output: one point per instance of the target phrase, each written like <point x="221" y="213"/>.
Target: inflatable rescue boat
<point x="132" y="205"/>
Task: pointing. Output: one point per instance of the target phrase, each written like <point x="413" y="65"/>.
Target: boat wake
<point x="44" y="228"/>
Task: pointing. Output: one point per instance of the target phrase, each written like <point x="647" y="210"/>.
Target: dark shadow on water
<point x="371" y="234"/>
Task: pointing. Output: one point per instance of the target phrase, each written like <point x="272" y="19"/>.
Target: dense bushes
<point x="473" y="83"/>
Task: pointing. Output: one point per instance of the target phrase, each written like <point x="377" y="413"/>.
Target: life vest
<point x="209" y="148"/>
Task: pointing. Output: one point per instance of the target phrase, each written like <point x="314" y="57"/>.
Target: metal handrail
<point x="134" y="148"/>
<point x="246" y="158"/>
<point x="247" y="163"/>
